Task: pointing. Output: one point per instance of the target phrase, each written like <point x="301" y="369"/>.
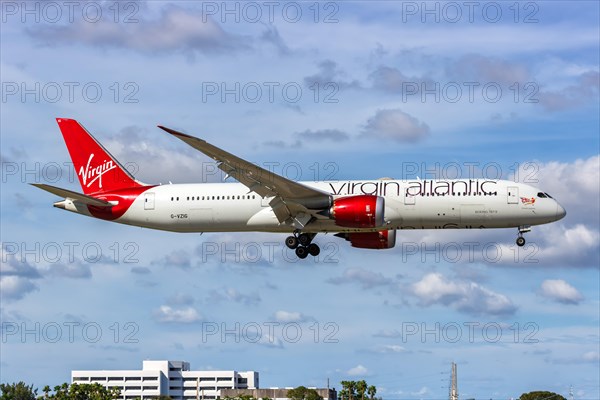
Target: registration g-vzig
<point x="366" y="213"/>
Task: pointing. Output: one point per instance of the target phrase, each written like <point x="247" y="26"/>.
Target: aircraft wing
<point x="290" y="198"/>
<point x="69" y="194"/>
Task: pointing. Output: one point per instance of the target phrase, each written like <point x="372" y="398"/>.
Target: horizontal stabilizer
<point x="72" y="195"/>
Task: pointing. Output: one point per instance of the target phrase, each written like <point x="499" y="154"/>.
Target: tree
<point x="371" y="390"/>
<point x="298" y="393"/>
<point x="343" y="394"/>
<point x="17" y="391"/>
<point x="541" y="395"/>
<point x="86" y="391"/>
<point x="351" y="389"/>
<point x="302" y="393"/>
<point x="312" y="394"/>
<point x="361" y="388"/>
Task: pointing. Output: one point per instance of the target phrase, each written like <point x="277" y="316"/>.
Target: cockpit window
<point x="548" y="195"/>
<point x="542" y="195"/>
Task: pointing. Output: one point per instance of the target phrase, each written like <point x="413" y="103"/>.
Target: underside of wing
<point x="290" y="199"/>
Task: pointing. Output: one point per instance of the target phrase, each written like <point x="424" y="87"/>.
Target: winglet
<point x="175" y="133"/>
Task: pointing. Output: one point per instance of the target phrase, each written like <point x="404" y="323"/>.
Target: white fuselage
<point x="409" y="204"/>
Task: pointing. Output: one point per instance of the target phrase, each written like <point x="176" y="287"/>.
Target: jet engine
<point x="363" y="211"/>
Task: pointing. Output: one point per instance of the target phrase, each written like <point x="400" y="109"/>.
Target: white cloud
<point x="176" y="258"/>
<point x="75" y="270"/>
<point x="575" y="185"/>
<point x="185" y="315"/>
<point x="359" y="370"/>
<point x="396" y="125"/>
<point x="573" y="246"/>
<point x="176" y="29"/>
<point x="262" y="337"/>
<point x="591" y="356"/>
<point x="11" y="266"/>
<point x="475" y="67"/>
<point x="583" y="90"/>
<point x="391" y="79"/>
<point x="388" y="333"/>
<point x="367" y="279"/>
<point x="389" y="349"/>
<point x="180" y="299"/>
<point x="468" y="297"/>
<point x="15" y="287"/>
<point x="290" y="316"/>
<point x="560" y="291"/>
<point x="421" y="392"/>
<point x="231" y="294"/>
<point x="142" y="150"/>
<point x="335" y="135"/>
<point x="329" y="73"/>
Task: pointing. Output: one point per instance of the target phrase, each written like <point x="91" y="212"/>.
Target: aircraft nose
<point x="560" y="212"/>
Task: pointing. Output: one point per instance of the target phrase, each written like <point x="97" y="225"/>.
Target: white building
<point x="170" y="378"/>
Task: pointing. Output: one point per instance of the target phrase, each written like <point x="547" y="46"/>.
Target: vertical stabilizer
<point x="97" y="170"/>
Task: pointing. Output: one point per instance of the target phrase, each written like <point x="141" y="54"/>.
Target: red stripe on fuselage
<point x="124" y="198"/>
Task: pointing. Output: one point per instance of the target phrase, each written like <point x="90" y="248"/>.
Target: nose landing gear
<point x="302" y="243"/>
<point x="520" y="239"/>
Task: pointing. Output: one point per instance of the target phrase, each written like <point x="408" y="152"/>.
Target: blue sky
<point x="334" y="89"/>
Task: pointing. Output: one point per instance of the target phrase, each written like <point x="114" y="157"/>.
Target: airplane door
<point x="149" y="201"/>
<point x="409" y="199"/>
<point x="513" y="195"/>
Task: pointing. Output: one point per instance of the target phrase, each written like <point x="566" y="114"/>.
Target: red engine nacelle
<point x="364" y="211"/>
<point x="372" y="240"/>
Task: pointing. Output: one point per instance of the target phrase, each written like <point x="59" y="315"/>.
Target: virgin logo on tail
<point x="95" y="174"/>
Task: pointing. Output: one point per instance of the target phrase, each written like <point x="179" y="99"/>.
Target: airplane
<point x="367" y="213"/>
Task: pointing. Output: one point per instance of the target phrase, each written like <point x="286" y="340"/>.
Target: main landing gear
<point x="520" y="238"/>
<point x="301" y="242"/>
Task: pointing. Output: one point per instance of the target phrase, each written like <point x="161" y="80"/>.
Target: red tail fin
<point x="96" y="169"/>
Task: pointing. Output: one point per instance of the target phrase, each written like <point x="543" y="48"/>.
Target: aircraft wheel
<point x="304" y="239"/>
<point x="314" y="249"/>
<point x="301" y="252"/>
<point x="291" y="242"/>
<point x="520" y="241"/>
